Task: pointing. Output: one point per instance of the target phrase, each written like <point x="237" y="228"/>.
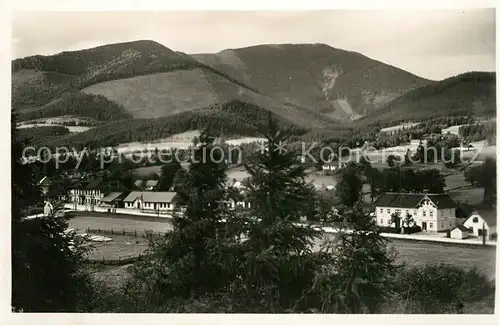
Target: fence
<point x="135" y="233"/>
<point x="120" y="261"/>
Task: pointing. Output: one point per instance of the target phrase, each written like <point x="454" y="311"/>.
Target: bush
<point x="389" y="229"/>
<point x="412" y="229"/>
<point x="441" y="288"/>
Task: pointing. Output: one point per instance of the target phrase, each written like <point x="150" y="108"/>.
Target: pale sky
<point x="431" y="44"/>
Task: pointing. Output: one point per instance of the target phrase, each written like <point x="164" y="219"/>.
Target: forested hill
<point x="469" y="94"/>
<point x="234" y="119"/>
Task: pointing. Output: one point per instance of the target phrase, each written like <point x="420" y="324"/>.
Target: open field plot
<point x="118" y="224"/>
<point x="121" y="247"/>
<point x="418" y="253"/>
<point x="472" y="196"/>
<point x="413" y="253"/>
<point x="70" y="128"/>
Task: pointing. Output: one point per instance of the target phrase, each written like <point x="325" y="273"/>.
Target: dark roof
<point x="463" y="210"/>
<point x="111" y="197"/>
<point x="391" y="199"/>
<point x="489" y="216"/>
<point x="93" y="183"/>
<point x="461" y="228"/>
<point x="442" y="200"/>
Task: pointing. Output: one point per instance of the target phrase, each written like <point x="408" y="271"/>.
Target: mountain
<point x="337" y="83"/>
<point x="468" y="94"/>
<point x="144" y="78"/>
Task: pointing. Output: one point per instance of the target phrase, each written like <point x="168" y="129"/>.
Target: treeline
<point x="479" y="131"/>
<point x="81" y="104"/>
<point x="41" y="132"/>
<point x="235" y="118"/>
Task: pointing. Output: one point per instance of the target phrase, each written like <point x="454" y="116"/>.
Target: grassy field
<point x="119" y="224"/>
<point x="70" y="128"/>
<point x="413" y="253"/>
<point x="121" y="246"/>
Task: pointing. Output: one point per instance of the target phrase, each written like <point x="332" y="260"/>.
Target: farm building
<point x="482" y="222"/>
<point x="113" y="200"/>
<point x="459" y="232"/>
<point x="432" y="212"/>
<point x="150" y="201"/>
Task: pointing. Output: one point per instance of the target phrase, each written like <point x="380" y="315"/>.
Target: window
<point x="441" y="224"/>
<point x="431" y="213"/>
<point x="398" y="211"/>
<point x="414" y="212"/>
<point x="450" y="223"/>
<point x="475" y="220"/>
<point x="430" y="225"/>
<point x="389" y="210"/>
<point x="381" y="222"/>
<point x="424" y="212"/>
<point x="381" y="210"/>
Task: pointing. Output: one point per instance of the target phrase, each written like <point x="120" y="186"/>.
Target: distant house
<point x="146" y="185"/>
<point x="113" y="200"/>
<point x="44" y="185"/>
<point x="150" y="201"/>
<point x="480" y="222"/>
<point x="87" y="191"/>
<point x="432" y="212"/>
<point x="459" y="232"/>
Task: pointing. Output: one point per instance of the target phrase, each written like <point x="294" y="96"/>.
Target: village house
<point x="432" y="212"/>
<point x="87" y="192"/>
<point x="113" y="200"/>
<point x="149" y="201"/>
<point x="482" y="222"/>
<point x="459" y="232"/>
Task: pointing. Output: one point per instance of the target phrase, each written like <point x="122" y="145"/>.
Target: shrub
<point x="389" y="229"/>
<point x="441" y="288"/>
<point x="412" y="229"/>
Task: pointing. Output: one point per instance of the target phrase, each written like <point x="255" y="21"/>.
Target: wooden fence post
<point x="135" y="233"/>
<point x="123" y="231"/>
<point x="111" y="231"/>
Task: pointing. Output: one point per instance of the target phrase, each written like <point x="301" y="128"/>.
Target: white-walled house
<point x="87" y="192"/>
<point x="432" y="212"/>
<point x="482" y="220"/>
<point x="149" y="201"/>
<point x="459" y="232"/>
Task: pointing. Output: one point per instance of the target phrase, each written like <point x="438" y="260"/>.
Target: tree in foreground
<point x="47" y="262"/>
<point x="277" y="265"/>
<point x="193" y="261"/>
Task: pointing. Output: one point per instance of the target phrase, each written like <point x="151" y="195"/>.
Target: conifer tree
<point x="194" y="259"/>
<point x="47" y="274"/>
<point x="277" y="261"/>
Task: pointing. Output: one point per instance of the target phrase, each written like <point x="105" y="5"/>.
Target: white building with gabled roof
<point x="432" y="212"/>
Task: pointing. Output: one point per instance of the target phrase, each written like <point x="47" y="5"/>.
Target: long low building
<point x="150" y="201"/>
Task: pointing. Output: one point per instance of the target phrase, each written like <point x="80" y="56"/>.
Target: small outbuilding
<point x="459" y="232"/>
